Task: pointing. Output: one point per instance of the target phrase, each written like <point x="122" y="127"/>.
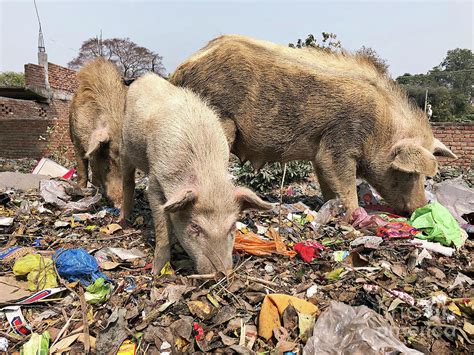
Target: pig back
<point x="283" y="100"/>
<point x="172" y="131"/>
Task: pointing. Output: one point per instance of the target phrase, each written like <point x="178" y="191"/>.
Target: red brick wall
<point x="62" y="78"/>
<point x="34" y="75"/>
<point x="32" y="129"/>
<point x="459" y="137"/>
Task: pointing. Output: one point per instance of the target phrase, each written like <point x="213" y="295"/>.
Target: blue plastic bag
<point x="77" y="264"/>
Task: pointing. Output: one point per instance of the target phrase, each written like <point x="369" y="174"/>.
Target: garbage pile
<point x="305" y="280"/>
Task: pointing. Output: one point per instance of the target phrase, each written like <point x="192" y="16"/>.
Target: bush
<point x="270" y="175"/>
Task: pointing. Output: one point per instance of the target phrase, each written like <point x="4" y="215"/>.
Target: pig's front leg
<point x="337" y="177"/>
<point x="128" y="190"/>
<point x="162" y="239"/>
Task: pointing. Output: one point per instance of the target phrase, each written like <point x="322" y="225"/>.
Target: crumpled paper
<point x="437" y="224"/>
<point x="57" y="192"/>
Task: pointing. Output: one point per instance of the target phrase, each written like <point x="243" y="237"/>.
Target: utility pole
<point x="426" y="99"/>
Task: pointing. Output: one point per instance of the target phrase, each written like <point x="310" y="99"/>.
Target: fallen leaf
<point x="273" y="306"/>
<point x="306" y="325"/>
<point x="201" y="309"/>
<point x="468" y="328"/>
<point x="111" y="228"/>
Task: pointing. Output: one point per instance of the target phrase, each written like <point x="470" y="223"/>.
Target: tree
<point x="328" y="42"/>
<point x="132" y="59"/>
<point x="12" y="79"/>
<point x="373" y="56"/>
<point x="449" y="85"/>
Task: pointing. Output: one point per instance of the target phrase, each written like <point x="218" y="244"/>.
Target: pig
<point x="95" y="126"/>
<point x="175" y="138"/>
<point x="337" y="110"/>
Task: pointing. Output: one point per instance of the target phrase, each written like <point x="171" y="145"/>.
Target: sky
<point x="413" y="36"/>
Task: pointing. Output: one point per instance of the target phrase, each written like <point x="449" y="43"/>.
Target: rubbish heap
<point x="306" y="279"/>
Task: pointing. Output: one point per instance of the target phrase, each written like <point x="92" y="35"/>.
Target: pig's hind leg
<point x="161" y="224"/>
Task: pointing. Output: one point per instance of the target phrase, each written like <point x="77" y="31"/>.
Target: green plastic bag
<point x="97" y="292"/>
<point x="437" y="224"/>
<point x="37" y="345"/>
<point x="39" y="270"/>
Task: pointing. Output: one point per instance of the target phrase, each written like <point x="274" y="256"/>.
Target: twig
<point x="87" y="341"/>
<point x="262" y="281"/>
<point x="281" y="198"/>
<point x="64" y="328"/>
<point x="202" y="277"/>
<point x="382" y="287"/>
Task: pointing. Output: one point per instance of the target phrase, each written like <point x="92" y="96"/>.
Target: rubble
<point x="106" y="299"/>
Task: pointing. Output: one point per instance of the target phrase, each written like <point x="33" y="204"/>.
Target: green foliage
<point x="449" y="86"/>
<point x="270" y="175"/>
<point x="328" y="42"/>
<point x="12" y="79"/>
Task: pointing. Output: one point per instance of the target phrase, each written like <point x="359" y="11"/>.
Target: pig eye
<point x="194" y="228"/>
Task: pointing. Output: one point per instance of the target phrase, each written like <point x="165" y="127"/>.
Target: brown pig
<point x="95" y="122"/>
<point x="280" y="104"/>
<point x="175" y="138"/>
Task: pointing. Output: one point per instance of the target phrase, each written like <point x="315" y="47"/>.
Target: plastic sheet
<point x="438" y="224"/>
<point x="57" y="193"/>
<point x="343" y="329"/>
<point x="77" y="264"/>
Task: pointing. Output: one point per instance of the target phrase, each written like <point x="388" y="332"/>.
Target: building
<point x="34" y="120"/>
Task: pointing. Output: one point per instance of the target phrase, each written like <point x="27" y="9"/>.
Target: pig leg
<point x="82" y="171"/>
<point x="230" y="130"/>
<point x="326" y="190"/>
<point x="128" y="189"/>
<point x="160" y="221"/>
<point x="338" y="175"/>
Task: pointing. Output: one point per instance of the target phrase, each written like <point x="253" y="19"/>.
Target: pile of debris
<point x="73" y="280"/>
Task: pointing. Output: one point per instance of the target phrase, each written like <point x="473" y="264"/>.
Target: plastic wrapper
<point x="343" y="329"/>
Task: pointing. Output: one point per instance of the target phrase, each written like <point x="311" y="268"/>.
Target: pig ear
<point x="98" y="137"/>
<point x="180" y="201"/>
<point x="248" y="200"/>
<point x="441" y="150"/>
<point x="413" y="158"/>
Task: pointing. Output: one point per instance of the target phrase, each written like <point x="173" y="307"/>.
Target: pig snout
<point x="407" y="206"/>
<point x="213" y="263"/>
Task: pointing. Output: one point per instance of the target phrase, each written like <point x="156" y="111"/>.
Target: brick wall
<point x="61" y="78"/>
<point x="34" y="75"/>
<point x="459" y="137"/>
<point x="32" y="129"/>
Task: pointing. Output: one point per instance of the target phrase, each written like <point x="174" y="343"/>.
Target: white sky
<point x="413" y="36"/>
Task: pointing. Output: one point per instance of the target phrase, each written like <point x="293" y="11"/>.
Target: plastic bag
<point x="438" y="224"/>
<point x="332" y="208"/>
<point x="37" y="345"/>
<point x="77" y="264"/>
<point x="343" y="329"/>
<point x="455" y="195"/>
<point x="39" y="270"/>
